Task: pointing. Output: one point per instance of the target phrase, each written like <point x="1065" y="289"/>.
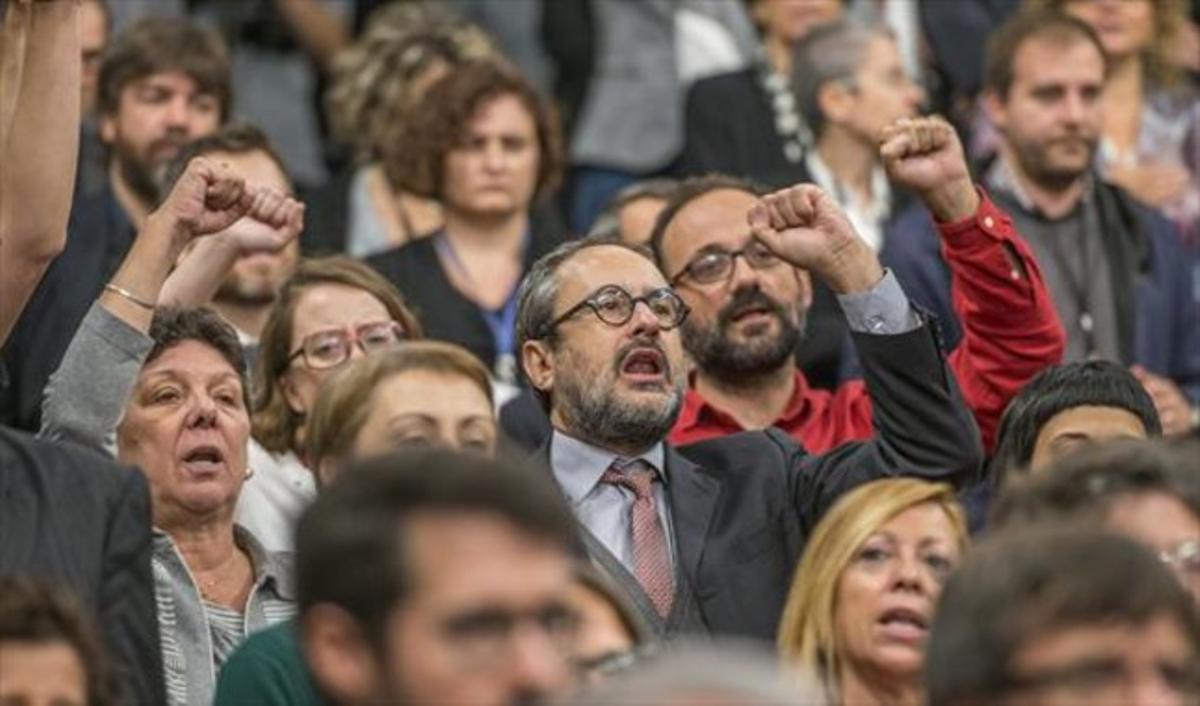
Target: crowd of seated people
<point x="699" y="361"/>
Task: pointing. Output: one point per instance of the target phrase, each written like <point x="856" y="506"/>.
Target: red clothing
<point x="1010" y="333"/>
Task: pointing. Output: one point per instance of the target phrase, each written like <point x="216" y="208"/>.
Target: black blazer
<point x="73" y="517"/>
<point x="730" y="128"/>
<point x="445" y="313"/>
<point x="743" y="505"/>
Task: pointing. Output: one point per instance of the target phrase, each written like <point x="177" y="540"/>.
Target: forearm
<point x="143" y="272"/>
<point x="39" y="136"/>
<point x="200" y="273"/>
<point x="320" y="32"/>
<point x="1011" y="329"/>
<point x="86" y="396"/>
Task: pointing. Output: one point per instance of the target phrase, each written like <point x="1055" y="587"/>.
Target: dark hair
<point x="1007" y="40"/>
<point x="275" y="422"/>
<point x="1098" y="383"/>
<point x="440" y="122"/>
<point x="1084" y="485"/>
<point x="608" y="227"/>
<point x="539" y="292"/>
<point x="688" y="191"/>
<point x="1025" y="584"/>
<point x="174" y="325"/>
<point x="350" y="549"/>
<point x="234" y="138"/>
<point x="157" y="44"/>
<point x="34" y="611"/>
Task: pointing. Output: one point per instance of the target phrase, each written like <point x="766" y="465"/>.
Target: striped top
<point x="196" y="635"/>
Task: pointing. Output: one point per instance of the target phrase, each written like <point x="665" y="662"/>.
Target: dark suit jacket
<point x="743" y="505"/>
<point x="72" y="516"/>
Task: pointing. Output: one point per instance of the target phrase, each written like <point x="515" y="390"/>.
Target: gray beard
<point x="605" y="420"/>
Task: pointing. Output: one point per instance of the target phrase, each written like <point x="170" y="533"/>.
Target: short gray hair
<point x="741" y="673"/>
<point x="539" y="290"/>
<point x="831" y="52"/>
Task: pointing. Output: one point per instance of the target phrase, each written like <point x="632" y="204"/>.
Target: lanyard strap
<point x="501" y="322"/>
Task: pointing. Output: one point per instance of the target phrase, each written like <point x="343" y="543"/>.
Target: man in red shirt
<point x="748" y="306"/>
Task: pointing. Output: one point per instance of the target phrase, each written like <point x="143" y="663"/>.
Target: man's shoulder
<point x="62" y="470"/>
<point x="732" y="83"/>
<point x="745" y="454"/>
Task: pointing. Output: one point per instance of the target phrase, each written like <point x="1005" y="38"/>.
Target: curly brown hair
<point x="375" y="81"/>
<point x="440" y="125"/>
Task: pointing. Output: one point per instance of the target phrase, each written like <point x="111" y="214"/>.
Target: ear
<point x="995" y="109"/>
<point x="290" y="395"/>
<point x="108" y="129"/>
<point x="804" y="287"/>
<point x="537" y="360"/>
<point x="339" y="655"/>
<point x="835" y="102"/>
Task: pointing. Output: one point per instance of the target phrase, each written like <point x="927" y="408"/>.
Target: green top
<point x="268" y="670"/>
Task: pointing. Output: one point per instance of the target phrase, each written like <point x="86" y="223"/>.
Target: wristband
<point x="130" y="296"/>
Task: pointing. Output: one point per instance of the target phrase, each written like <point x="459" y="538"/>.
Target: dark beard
<point x="600" y="418"/>
<point x="141" y="178"/>
<point x="232" y="292"/>
<point x="717" y="355"/>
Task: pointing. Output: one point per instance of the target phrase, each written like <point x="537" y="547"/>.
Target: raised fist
<point x="805" y="227"/>
<point x="207" y="198"/>
<point x="273" y="221"/>
<point x="924" y="155"/>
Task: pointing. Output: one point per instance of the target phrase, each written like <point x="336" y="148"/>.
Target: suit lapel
<point x="693" y="500"/>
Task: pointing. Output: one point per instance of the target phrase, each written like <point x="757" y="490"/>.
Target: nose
<point x="493" y="156"/>
<point x="908" y="574"/>
<point x="539" y="667"/>
<point x="178" y="111"/>
<point x="645" y="323"/>
<point x="1075" y="107"/>
<point x="1151" y="689"/>
<point x="742" y="274"/>
<point x="203" y="412"/>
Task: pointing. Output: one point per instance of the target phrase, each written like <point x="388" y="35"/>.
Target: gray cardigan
<point x="84" y="402"/>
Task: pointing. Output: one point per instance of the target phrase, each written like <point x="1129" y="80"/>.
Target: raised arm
<point x="86" y="396"/>
<point x="921" y="424"/>
<point x="39" y="141"/>
<point x="1011" y="330"/>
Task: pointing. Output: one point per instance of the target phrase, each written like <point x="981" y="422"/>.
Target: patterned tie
<point x="651" y="556"/>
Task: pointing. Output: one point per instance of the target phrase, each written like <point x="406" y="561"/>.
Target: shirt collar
<point x="578" y="465"/>
<point x="698" y="411"/>
<point x="270" y="568"/>
<point x="1001" y="178"/>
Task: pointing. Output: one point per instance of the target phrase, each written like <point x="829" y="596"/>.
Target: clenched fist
<point x="805" y="227"/>
<point x="209" y="198"/>
<point x="924" y="155"/>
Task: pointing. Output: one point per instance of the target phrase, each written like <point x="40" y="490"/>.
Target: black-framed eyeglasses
<point x="715" y="265"/>
<point x="332" y="347"/>
<point x="614" y="306"/>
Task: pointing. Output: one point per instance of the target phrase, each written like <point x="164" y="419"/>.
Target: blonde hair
<point x="807" y="636"/>
<point x="1170" y="16"/>
<point x="372" y="81"/>
<point x="345" y="401"/>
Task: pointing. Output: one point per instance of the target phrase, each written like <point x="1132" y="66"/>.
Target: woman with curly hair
<point x="375" y="82"/>
<point x="486" y="145"/>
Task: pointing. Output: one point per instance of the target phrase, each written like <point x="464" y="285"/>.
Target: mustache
<point x="744" y="299"/>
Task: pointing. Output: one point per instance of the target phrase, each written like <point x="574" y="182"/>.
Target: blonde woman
<point x="862" y="600"/>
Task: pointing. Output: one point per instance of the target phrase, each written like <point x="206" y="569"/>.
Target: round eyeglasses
<point x="332" y="347"/>
<point x="715" y="265"/>
<point x="614" y="306"/>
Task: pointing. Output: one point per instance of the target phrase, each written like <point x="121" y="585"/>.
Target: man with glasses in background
<point x="708" y="543"/>
<point x="749" y="305"/>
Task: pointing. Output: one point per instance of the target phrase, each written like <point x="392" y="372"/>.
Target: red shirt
<point x="1010" y="333"/>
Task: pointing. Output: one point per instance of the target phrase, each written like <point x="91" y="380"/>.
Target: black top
<point x="72" y="516"/>
<point x="98" y="238"/>
<point x="730" y="128"/>
<point x="445" y="313"/>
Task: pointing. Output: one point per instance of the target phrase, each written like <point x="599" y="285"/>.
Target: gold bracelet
<point x="130" y="296"/>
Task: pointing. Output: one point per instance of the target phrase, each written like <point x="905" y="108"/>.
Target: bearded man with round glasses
<point x="706" y="540"/>
<point x="749" y="305"/>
